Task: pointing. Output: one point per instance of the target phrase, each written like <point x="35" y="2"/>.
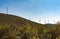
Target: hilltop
<point x="15" y="27"/>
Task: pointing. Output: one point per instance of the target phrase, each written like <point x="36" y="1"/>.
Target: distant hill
<point x="48" y="24"/>
<point x="15" y="27"/>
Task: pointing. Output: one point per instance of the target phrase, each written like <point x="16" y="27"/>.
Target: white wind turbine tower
<point x="53" y="22"/>
<point x="7" y="10"/>
<point x="29" y="18"/>
<point x="45" y="21"/>
<point x="39" y="21"/>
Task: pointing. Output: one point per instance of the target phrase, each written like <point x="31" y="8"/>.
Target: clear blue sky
<point x="34" y="9"/>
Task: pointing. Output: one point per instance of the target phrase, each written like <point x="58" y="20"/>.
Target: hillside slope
<point x="11" y="23"/>
<point x="14" y="27"/>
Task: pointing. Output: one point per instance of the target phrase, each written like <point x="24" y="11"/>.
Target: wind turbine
<point x="45" y="21"/>
<point x="7" y="10"/>
<point x="39" y="20"/>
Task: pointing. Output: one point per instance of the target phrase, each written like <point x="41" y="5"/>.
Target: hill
<point x="15" y="27"/>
